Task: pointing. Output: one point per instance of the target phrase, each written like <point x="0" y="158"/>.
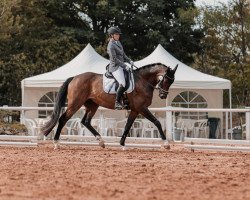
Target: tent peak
<point x="89" y="48"/>
<point x="159" y="46"/>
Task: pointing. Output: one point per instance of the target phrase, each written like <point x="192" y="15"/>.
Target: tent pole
<point x="230" y="105"/>
<point x="22" y="112"/>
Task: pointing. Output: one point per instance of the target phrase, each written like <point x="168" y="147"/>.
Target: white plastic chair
<point x="200" y="129"/>
<point x="149" y="127"/>
<point x="120" y="126"/>
<point x="109" y="127"/>
<point x="136" y="129"/>
<point x="96" y="123"/>
<point x="79" y="128"/>
<point x="31" y="126"/>
<point x="231" y="131"/>
<point x="188" y="126"/>
<point x="70" y="125"/>
<point x="180" y="127"/>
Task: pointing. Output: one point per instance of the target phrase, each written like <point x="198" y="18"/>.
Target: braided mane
<point x="150" y="65"/>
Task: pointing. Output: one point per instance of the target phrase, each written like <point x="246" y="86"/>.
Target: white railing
<point x="169" y="113"/>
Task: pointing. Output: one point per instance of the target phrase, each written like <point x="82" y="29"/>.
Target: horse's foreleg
<point x="147" y="114"/>
<point x="130" y="121"/>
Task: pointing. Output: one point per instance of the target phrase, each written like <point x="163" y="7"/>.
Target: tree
<point x="43" y="35"/>
<point x="33" y="43"/>
<point x="8" y="28"/>
<point x="226" y="46"/>
<point x="142" y="22"/>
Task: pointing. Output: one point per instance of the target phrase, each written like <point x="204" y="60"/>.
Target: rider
<point x="117" y="58"/>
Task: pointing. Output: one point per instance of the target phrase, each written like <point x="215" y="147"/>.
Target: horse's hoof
<point x="56" y="145"/>
<point x="166" y="145"/>
<point x="101" y="141"/>
<point x="124" y="148"/>
<point x="122" y="141"/>
<point x="102" y="144"/>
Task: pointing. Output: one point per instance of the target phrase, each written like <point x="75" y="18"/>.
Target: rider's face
<point x="116" y="36"/>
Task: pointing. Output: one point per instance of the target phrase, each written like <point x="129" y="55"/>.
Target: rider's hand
<point x="128" y="68"/>
<point x="132" y="63"/>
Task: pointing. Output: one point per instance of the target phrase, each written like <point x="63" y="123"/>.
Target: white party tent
<point x="88" y="60"/>
<point x="34" y="88"/>
<point x="185" y="77"/>
<point x="188" y="79"/>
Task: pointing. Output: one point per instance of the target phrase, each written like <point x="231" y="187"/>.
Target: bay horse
<point x="87" y="89"/>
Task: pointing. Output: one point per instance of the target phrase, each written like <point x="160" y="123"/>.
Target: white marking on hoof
<point x="124" y="148"/>
<point x="165" y="145"/>
<point x="56" y="144"/>
<point x="101" y="141"/>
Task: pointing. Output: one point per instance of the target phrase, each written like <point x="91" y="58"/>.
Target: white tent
<point x="189" y="79"/>
<point x="34" y="88"/>
<point x="89" y="60"/>
<point x="186" y="77"/>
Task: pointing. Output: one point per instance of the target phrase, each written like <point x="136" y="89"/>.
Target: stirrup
<point x="125" y="102"/>
<point x="118" y="106"/>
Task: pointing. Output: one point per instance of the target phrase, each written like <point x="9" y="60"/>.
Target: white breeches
<point x="119" y="76"/>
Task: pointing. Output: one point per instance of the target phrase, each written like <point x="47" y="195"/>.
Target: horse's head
<point x="165" y="81"/>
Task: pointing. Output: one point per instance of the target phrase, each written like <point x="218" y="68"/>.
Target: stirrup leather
<point x="118" y="106"/>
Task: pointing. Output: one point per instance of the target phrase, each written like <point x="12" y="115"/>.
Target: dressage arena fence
<point x="75" y="140"/>
<point x="195" y="143"/>
<point x="19" y="141"/>
<point x="217" y="144"/>
<point x="132" y="142"/>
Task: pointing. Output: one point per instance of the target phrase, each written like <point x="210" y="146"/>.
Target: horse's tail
<point x="59" y="104"/>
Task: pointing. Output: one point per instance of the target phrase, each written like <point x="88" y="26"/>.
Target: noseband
<point x="161" y="78"/>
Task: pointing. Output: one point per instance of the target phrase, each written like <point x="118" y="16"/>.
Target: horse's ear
<point x="175" y="68"/>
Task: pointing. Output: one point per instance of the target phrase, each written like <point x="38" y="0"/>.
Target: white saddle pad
<point x="109" y="84"/>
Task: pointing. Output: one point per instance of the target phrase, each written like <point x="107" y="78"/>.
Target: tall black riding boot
<point x="119" y="93"/>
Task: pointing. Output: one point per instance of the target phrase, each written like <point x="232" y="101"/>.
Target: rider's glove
<point x="128" y="68"/>
<point x="132" y="63"/>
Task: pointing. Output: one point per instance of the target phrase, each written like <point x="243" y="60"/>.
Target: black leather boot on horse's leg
<point x="119" y="93"/>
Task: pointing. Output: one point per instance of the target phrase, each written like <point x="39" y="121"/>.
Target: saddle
<point x="110" y="85"/>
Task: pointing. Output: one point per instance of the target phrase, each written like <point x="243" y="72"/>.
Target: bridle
<point x="161" y="78"/>
<point x="158" y="85"/>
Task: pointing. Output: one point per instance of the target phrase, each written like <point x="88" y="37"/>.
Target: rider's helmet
<point x="113" y="30"/>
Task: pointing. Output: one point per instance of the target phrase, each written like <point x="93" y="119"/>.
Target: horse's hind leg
<point x="62" y="121"/>
<point x="91" y="109"/>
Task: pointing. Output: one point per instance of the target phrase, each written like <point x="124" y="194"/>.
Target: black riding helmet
<point x="113" y="30"/>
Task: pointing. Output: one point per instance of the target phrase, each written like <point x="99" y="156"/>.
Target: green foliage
<point x="142" y="22"/>
<point x="31" y="43"/>
<point x="39" y="35"/>
<point x="5" y="114"/>
<point x="225" y="47"/>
